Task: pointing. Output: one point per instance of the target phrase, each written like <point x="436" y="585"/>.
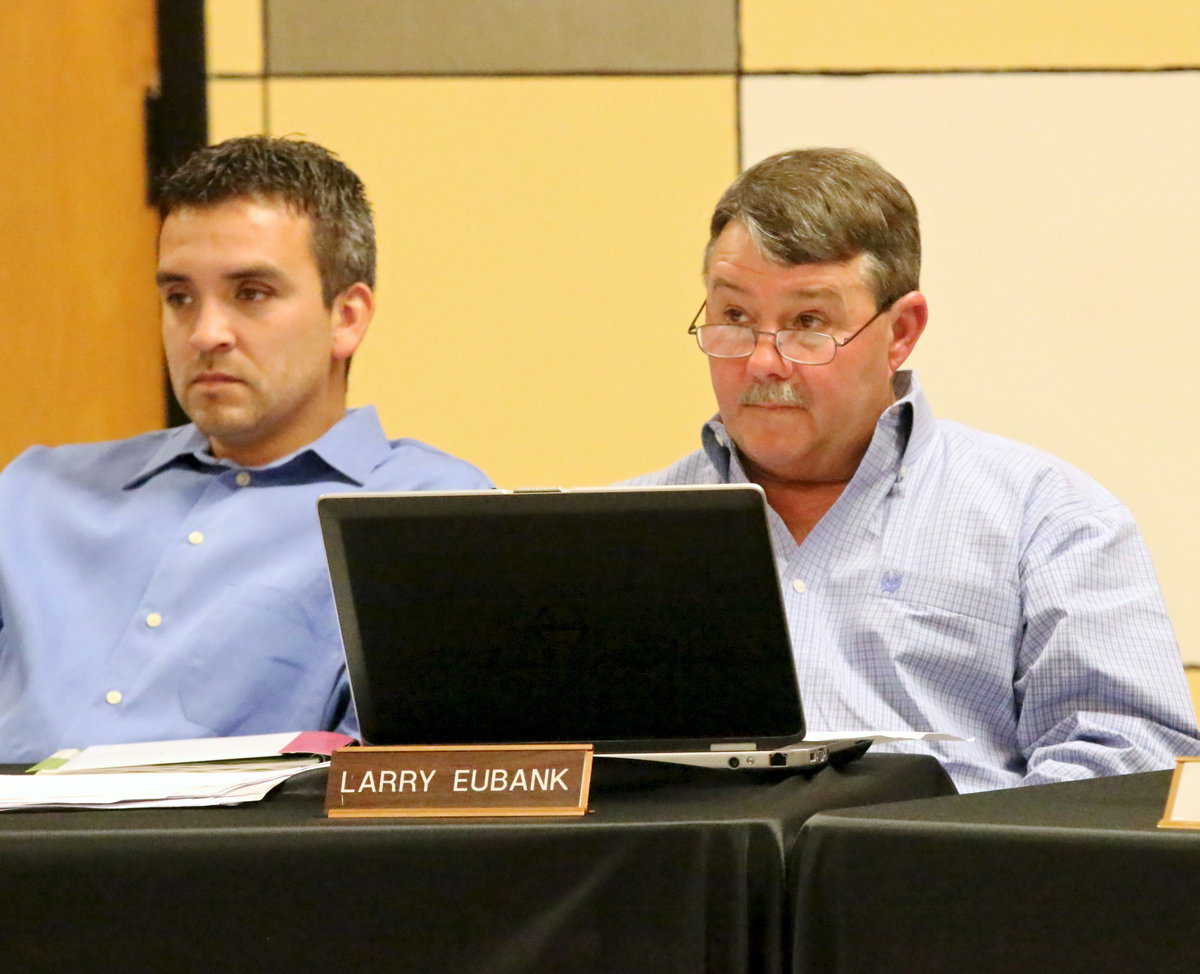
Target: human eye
<point x="177" y="299"/>
<point x="808" y="321"/>
<point x="253" y="293"/>
<point x="733" y="316"/>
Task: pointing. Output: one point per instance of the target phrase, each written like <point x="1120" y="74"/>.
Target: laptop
<point x="647" y="622"/>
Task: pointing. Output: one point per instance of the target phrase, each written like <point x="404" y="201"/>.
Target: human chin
<point x="218" y="416"/>
<point x="768" y="427"/>
<point x="773" y="456"/>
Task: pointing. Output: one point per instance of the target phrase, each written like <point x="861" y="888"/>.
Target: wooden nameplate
<point x="1183" y="801"/>
<point x="452" y="781"/>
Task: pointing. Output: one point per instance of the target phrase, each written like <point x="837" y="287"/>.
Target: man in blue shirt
<point x="174" y="584"/>
<point x="935" y="578"/>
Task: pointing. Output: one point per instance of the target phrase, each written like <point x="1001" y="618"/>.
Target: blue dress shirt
<point x="967" y="584"/>
<point x="149" y="591"/>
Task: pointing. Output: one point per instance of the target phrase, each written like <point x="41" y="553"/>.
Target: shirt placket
<point x="133" y="663"/>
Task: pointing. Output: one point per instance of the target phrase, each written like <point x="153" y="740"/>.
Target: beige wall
<point x="543" y="171"/>
<point x="539" y="233"/>
<point x="933" y="35"/>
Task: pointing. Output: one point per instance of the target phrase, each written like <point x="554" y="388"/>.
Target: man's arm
<point x="1099" y="685"/>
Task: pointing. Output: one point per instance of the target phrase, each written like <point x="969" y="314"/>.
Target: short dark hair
<point x="303" y="176"/>
<point x="816" y="206"/>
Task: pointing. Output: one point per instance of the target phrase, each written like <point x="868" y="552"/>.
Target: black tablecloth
<point x="675" y="870"/>
<point x="1073" y="877"/>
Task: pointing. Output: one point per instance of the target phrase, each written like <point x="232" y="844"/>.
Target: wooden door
<point x="78" y="310"/>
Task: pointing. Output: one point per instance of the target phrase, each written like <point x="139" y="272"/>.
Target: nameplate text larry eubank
<point x="454" y="780"/>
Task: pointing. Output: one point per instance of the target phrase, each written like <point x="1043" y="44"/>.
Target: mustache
<point x="762" y="393"/>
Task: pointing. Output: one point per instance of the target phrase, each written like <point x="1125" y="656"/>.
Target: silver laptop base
<point x="796" y="757"/>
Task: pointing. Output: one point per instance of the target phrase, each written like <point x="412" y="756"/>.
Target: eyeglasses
<point x="794" y="344"/>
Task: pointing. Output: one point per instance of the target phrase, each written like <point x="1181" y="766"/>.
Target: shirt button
<point x="196" y="537"/>
<point x="113" y="696"/>
<point x="903" y="473"/>
<point x="799" y="586"/>
<point x="154" y="620"/>
<point x="242" y="479"/>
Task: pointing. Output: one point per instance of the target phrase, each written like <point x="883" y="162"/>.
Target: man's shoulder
<point x="119" y="459"/>
<point x="997" y="464"/>
<point x="412" y="464"/>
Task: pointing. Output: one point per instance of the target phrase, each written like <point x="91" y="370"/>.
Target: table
<point x="676" y="870"/>
<point x="1072" y="877"/>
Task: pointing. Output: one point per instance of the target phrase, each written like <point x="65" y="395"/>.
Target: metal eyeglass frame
<point x="834" y="344"/>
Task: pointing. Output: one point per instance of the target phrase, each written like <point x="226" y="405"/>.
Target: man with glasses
<point x="935" y="578"/>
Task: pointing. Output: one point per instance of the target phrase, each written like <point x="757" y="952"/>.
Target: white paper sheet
<point x="261" y="751"/>
<point x="136" y="789"/>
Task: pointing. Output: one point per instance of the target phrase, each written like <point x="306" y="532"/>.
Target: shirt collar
<point x="177" y="444"/>
<point x="910" y="414"/>
<point x="903" y="431"/>
<point x="353" y="447"/>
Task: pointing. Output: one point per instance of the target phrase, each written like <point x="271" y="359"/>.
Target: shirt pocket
<point x="936" y="620"/>
<point x="267" y="662"/>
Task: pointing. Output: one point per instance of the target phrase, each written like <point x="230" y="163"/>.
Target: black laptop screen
<point x="628" y="619"/>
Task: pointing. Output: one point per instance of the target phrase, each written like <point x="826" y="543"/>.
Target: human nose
<point x="766" y="361"/>
<point x="212" y="329"/>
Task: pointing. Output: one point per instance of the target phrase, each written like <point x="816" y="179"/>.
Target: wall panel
<point x="236" y="106"/>
<point x="919" y="35"/>
<point x="539" y="261"/>
<point x="494" y="37"/>
<point x="233" y="34"/>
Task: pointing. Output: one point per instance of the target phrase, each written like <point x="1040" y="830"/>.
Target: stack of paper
<point x="205" y="771"/>
<point x="132" y="789"/>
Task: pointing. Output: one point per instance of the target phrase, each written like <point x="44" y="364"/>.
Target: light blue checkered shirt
<point x="967" y="584"/>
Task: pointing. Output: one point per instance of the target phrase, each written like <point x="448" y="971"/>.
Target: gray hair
<point x="817" y="206"/>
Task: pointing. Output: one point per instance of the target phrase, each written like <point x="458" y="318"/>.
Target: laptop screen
<point x="634" y="619"/>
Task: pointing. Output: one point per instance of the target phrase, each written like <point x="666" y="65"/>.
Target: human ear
<point x="351" y="313"/>
<point x="909" y="315"/>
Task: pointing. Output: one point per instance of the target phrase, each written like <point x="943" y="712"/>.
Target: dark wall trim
<point x="177" y="113"/>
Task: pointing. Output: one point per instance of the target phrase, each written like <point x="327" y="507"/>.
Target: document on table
<point x="203" y="771"/>
<point x="137" y="789"/>
<point x="247" y="752"/>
